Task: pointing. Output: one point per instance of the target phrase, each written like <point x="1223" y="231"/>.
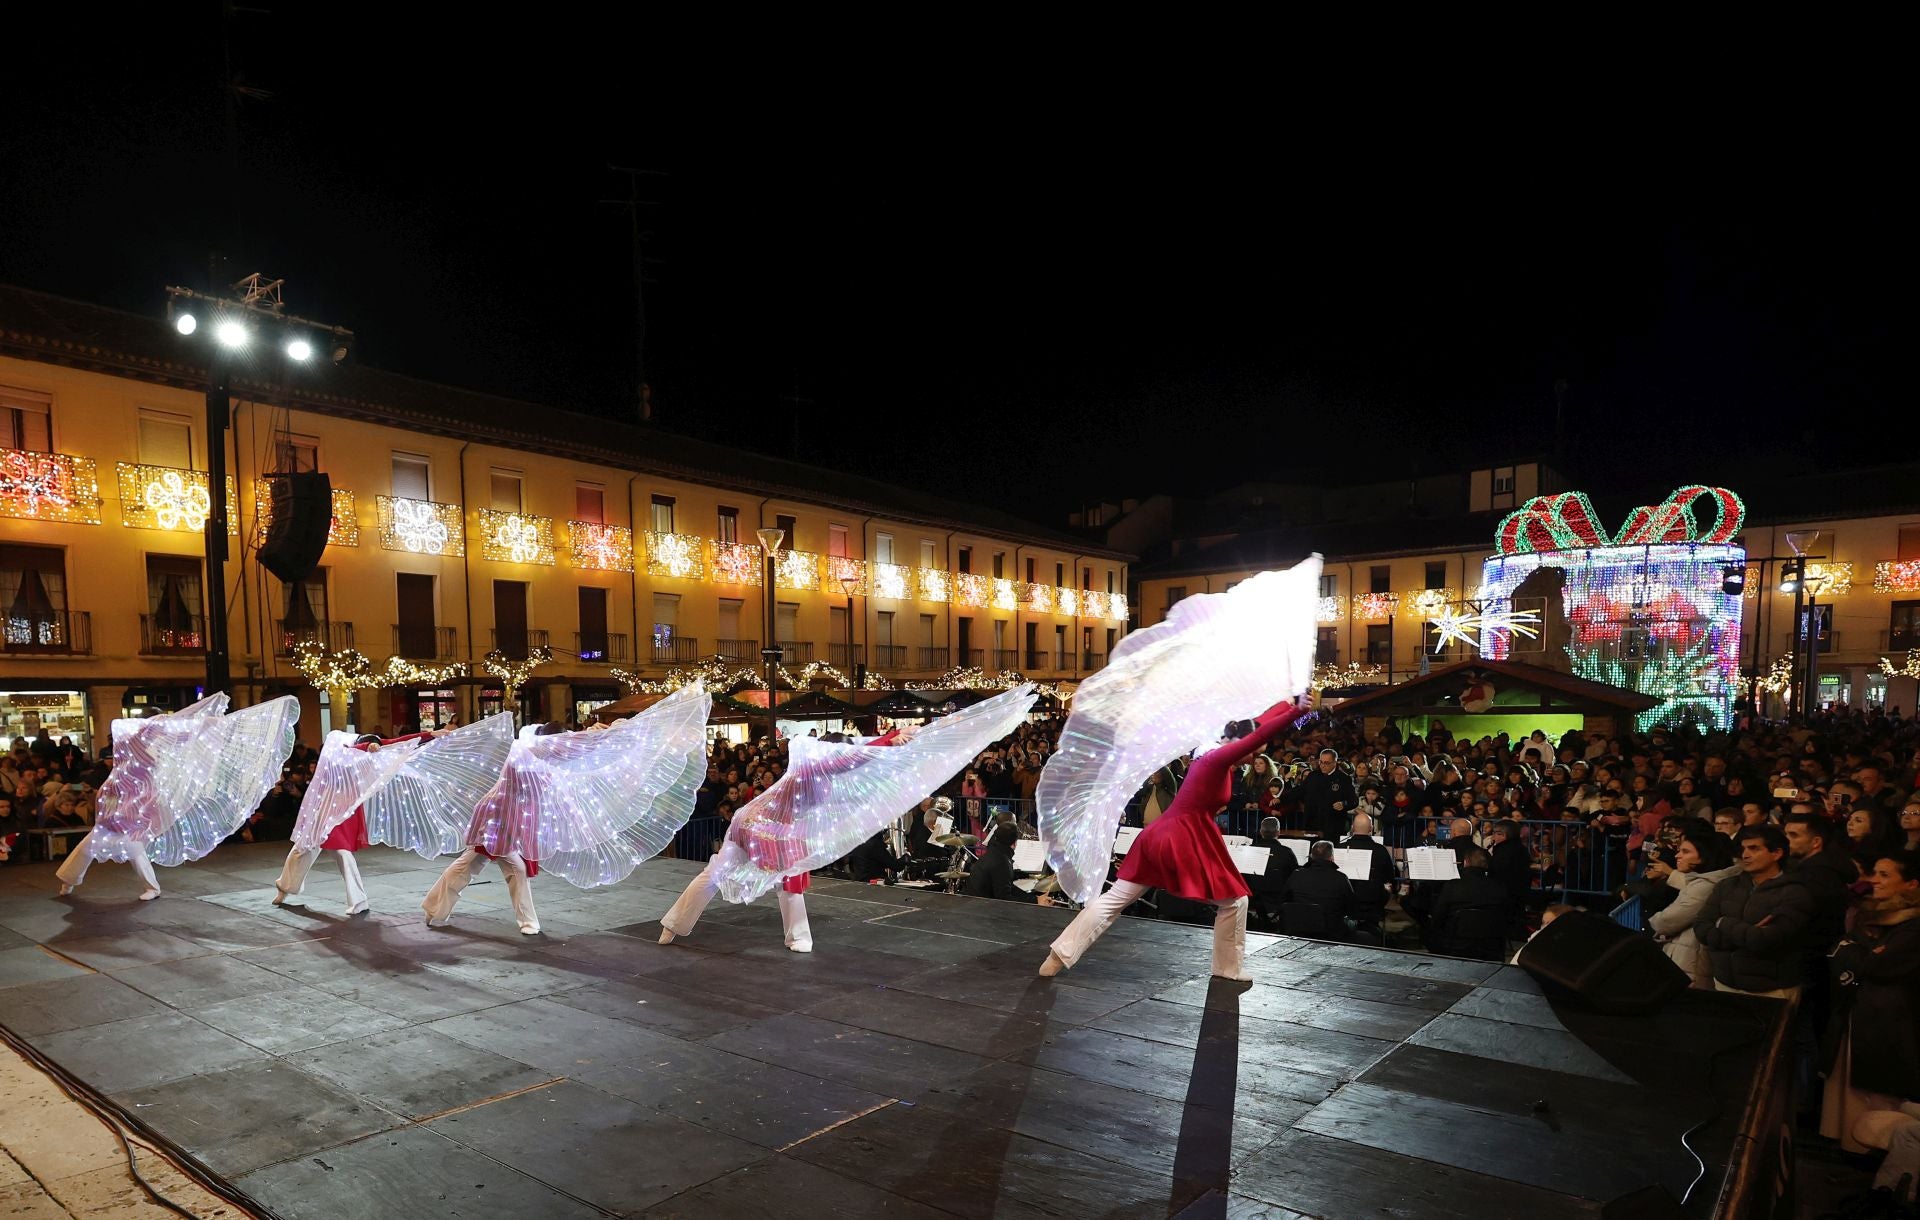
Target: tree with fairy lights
<point x="513" y="673"/>
<point x="342" y="673"/>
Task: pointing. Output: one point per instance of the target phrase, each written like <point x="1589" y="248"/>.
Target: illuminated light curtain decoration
<point x="1332" y="610"/>
<point x="1374" y="605"/>
<point x="796" y="570"/>
<point x="932" y="584"/>
<point x="1896" y="576"/>
<point x="970" y="589"/>
<point x="892" y="580"/>
<point x="514" y="673"/>
<point x="1093" y="604"/>
<point x="675" y="555"/>
<point x="1831" y="579"/>
<point x="1645" y="610"/>
<point x="1039" y="599"/>
<point x="420" y="527"/>
<point x="837" y="569"/>
<point x="49" y="487"/>
<point x="734" y="563"/>
<point x="600" y="548"/>
<point x="343" y="526"/>
<point x="1429" y="603"/>
<point x="1068" y="601"/>
<point x="1117" y="607"/>
<point x="515" y="537"/>
<point x="1336" y="677"/>
<point x="163" y="498"/>
<point x="1005" y="596"/>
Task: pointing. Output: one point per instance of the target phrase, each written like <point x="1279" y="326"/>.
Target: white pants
<point x="293" y="875"/>
<point x="1229" y="929"/>
<point x="700" y="891"/>
<point x="73" y="870"/>
<point x="446" y="891"/>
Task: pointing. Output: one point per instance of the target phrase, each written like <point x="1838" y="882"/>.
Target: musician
<point x="1272" y="884"/>
<point x="992" y="875"/>
<point x="873" y="860"/>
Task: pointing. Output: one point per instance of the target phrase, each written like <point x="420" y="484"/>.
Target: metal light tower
<point x="771" y="654"/>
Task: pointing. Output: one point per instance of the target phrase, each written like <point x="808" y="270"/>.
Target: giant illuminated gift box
<point x="1645" y="609"/>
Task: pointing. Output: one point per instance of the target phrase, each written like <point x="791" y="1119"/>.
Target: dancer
<point x="405" y="792"/>
<point x="181" y="783"/>
<point x="1164" y="692"/>
<point x="834" y="796"/>
<point x="588" y="806"/>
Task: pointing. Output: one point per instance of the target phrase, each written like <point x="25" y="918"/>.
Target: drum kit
<point x="956" y="870"/>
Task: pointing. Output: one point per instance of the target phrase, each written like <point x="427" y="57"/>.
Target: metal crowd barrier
<point x="1627" y="914"/>
<point x="698" y="839"/>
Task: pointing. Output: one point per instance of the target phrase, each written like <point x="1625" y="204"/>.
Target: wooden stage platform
<point x="913" y="1066"/>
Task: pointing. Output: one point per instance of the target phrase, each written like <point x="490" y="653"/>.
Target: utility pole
<point x="643" y="407"/>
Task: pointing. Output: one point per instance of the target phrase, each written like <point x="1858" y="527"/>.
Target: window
<point x="1059" y="575"/>
<point x="1503" y="481"/>
<point x="999" y="565"/>
<point x="1380" y="578"/>
<point x="963" y="561"/>
<point x="666" y="615"/>
<point x="166" y="440"/>
<point x="174" y="607"/>
<point x="504" y="490"/>
<point x="1175" y="595"/>
<point x="786" y="622"/>
<point x="729" y="525"/>
<point x="1033" y="570"/>
<point x="883" y="548"/>
<point x="1326" y="646"/>
<point x="883" y="629"/>
<point x="837" y="541"/>
<point x="33" y="597"/>
<point x="593" y="624"/>
<point x="1109" y="586"/>
<point x="510" y="618"/>
<point x="662" y="515"/>
<point x="1329" y="585"/>
<point x="415" y="635"/>
<point x="1086" y="578"/>
<point x="26" y="421"/>
<point x="1436" y="574"/>
<point x="785" y="525"/>
<point x="927" y="554"/>
<point x="1904" y="632"/>
<point x="590" y="503"/>
<point x="1820" y="623"/>
<point x="294" y="454"/>
<point x="926" y="630"/>
<point x="1909" y="543"/>
<point x="303" y="610"/>
<point x="412" y="477"/>
<point x="730" y="608"/>
<point x="1379" y="643"/>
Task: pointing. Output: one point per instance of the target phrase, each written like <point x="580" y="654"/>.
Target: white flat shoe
<point x="65" y="890"/>
<point x="149" y="895"/>
<point x="439" y="923"/>
<point x="801" y="946"/>
<point x="666" y="937"/>
<point x="529" y="929"/>
<point x="288" y="900"/>
<point x="1052" y="966"/>
<point x="358" y="907"/>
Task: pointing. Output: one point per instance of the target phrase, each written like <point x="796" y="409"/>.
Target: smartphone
<point x="1787" y="794"/>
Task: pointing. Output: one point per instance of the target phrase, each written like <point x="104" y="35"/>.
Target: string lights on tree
<point x="513" y="672"/>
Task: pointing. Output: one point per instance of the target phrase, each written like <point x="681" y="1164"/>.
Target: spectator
<point x="1727" y="824"/>
<point x="1510" y="863"/>
<point x="1702" y="861"/>
<point x="1329" y="796"/>
<point x="992" y="874"/>
<point x="1875" y="1059"/>
<point x="1871" y="833"/>
<point x="1270" y="887"/>
<point x="1755" y="925"/>
<point x="1472" y="913"/>
<point x="1874" y="787"/>
<point x="1910" y="826"/>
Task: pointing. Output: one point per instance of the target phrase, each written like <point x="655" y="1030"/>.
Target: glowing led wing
<point x="591" y="806"/>
<point x="834" y="796"/>
<point x="202" y="776"/>
<point x="1167" y="690"/>
<point x="425" y="808"/>
<point x="343" y="779"/>
<point x="148" y="757"/>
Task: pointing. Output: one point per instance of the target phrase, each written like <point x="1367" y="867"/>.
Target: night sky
<point x="1000" y="275"/>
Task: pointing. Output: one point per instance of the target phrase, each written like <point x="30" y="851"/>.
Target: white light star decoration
<point x="1470" y="628"/>
<point x="178" y="504"/>
<point x="418" y="528"/>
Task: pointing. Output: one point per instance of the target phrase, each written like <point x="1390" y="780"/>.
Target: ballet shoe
<point x="1241" y="977"/>
<point x="65" y="890"/>
<point x="666" y="937"/>
<point x="529" y="929"/>
<point x="149" y="895"/>
<point x="288" y="900"/>
<point x="801" y="946"/>
<point x="1052" y="966"/>
<point x="440" y="923"/>
<point x="358" y="907"/>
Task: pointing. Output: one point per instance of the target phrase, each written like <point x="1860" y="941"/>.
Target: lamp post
<point x="772" y="654"/>
<point x="253" y="299"/>
<point x="857" y="672"/>
<point x="1806" y="651"/>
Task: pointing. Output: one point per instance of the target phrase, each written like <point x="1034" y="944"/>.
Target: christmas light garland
<point x="515" y="537"/>
<point x="165" y="498"/>
<point x="349" y="669"/>
<point x="49" y="487"/>
<point x="420" y="527"/>
<point x="1910" y="670"/>
<point x="1335" y="677"/>
<point x="513" y="672"/>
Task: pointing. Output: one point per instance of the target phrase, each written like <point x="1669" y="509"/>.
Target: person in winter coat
<point x="1329" y="797"/>
<point x="1702" y="861"/>
<point x="1755" y="925"/>
<point x="1874" y="1037"/>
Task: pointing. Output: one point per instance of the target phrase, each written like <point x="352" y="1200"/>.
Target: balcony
<point x="845" y="657"/>
<point x="517" y="645"/>
<point x="675" y="650"/>
<point x="796" y="652"/>
<point x="425" y="642"/>
<point x="1090" y="660"/>
<point x="49" y="633"/>
<point x="335" y="637"/>
<point x="607" y="648"/>
<point x="933" y="659"/>
<point x="738" y="650"/>
<point x="175" y="636"/>
<point x="973" y="658"/>
<point x="889" y="656"/>
<point x="1005" y="660"/>
<point x="1038" y="659"/>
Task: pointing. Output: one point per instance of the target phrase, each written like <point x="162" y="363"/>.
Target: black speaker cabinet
<point x="1603" y="964"/>
<point x="297" y="533"/>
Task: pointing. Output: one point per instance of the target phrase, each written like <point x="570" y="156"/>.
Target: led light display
<point x="1005" y="596"/>
<point x="1896" y="576"/>
<point x="839" y="571"/>
<point x="971" y="590"/>
<point x="796" y="570"/>
<point x="600" y="548"/>
<point x="1330" y="610"/>
<point x="675" y="555"/>
<point x="421" y="527"/>
<point x="891" y="580"/>
<point x="163" y="498"/>
<point x="1375" y="605"/>
<point x="1067" y="601"/>
<point x="1429" y="603"/>
<point x="49" y="487"/>
<point x="1039" y="599"/>
<point x="735" y="563"/>
<point x="932" y="584"/>
<point x="515" y="537"/>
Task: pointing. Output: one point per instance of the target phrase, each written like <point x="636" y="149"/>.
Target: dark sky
<point x="1005" y="274"/>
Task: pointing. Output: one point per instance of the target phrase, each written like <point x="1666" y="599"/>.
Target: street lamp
<point x="771" y="655"/>
<point x="857" y="671"/>
<point x="1806" y="645"/>
<point x="253" y="301"/>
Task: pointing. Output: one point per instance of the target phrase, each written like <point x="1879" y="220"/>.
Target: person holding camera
<point x="1703" y="859"/>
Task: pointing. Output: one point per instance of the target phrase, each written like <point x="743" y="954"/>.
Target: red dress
<point x="1183" y="852"/>
<point x="351" y="835"/>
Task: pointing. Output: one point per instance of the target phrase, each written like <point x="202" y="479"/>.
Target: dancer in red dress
<point x="1184" y="854"/>
<point x="345" y="838"/>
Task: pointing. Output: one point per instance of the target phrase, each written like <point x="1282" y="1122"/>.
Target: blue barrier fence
<point x="1627" y="914"/>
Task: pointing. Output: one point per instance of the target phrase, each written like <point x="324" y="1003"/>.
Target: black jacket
<point x="1474" y="889"/>
<point x="992" y="877"/>
<point x="1280" y="867"/>
<point x="1319" y="792"/>
<point x="1512" y="867"/>
<point x="1756" y="935"/>
<point x="1876" y="974"/>
<point x="872" y="860"/>
<point x="1829" y="876"/>
<point x="1370" y="896"/>
<point x="1320" y="882"/>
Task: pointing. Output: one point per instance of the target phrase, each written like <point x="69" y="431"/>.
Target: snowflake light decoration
<point x="420" y="527"/>
<point x="1471" y="628"/>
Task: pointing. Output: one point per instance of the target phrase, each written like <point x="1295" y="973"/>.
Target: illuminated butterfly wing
<point x="343" y="779"/>
<point x="591" y="806"/>
<point x="426" y="806"/>
<point x="834" y="796"/>
<point x="1166" y="690"/>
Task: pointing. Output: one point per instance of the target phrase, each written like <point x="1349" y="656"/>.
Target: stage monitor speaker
<point x="1647" y="1203"/>
<point x="302" y="515"/>
<point x="1603" y="964"/>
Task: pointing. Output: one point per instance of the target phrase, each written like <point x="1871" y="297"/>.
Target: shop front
<point x="60" y="713"/>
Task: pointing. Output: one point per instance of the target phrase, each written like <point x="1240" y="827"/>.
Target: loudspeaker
<point x="1603" y="964"/>
<point x="302" y="515"/>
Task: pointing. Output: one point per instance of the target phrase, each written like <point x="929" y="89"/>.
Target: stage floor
<point x="912" y="1066"/>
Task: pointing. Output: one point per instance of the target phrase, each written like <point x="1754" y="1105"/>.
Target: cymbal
<point x="956" y="840"/>
<point x="958" y="872"/>
<point x="1047" y="885"/>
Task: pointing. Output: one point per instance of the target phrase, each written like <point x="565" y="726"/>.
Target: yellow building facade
<point x="463" y="523"/>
